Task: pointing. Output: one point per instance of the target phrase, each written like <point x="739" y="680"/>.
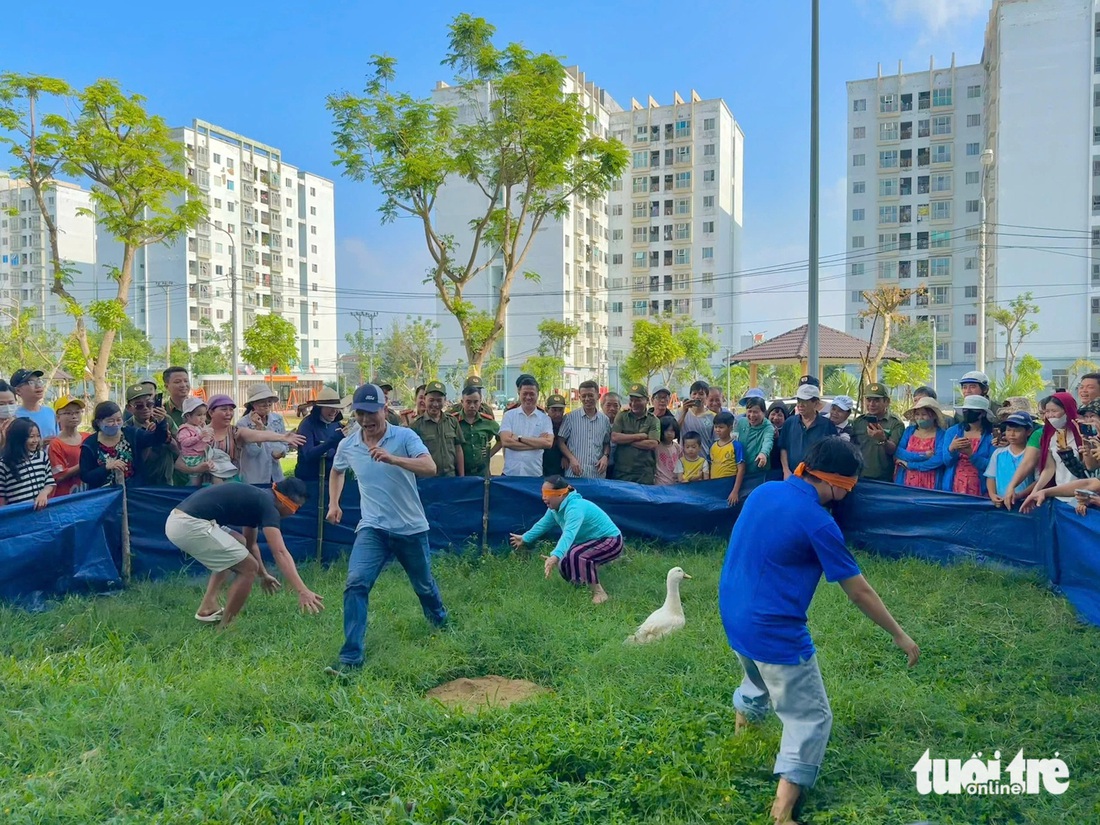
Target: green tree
<point x="733" y="380"/>
<point x="1015" y="326"/>
<point x="555" y="336"/>
<point x="212" y="356"/>
<point x="24" y="343"/>
<point x="359" y="342"/>
<point x="654" y="349"/>
<point x="271" y="342"/>
<point x="139" y="188"/>
<point x="547" y="371"/>
<point x="841" y="382"/>
<point x="914" y="338"/>
<point x="697" y="350"/>
<point x="1082" y="366"/>
<point x="129" y="354"/>
<point x="1027" y="381"/>
<point x="409" y="354"/>
<point x="883" y="304"/>
<point x="907" y="375"/>
<point x="522" y="144"/>
<point x="179" y="353"/>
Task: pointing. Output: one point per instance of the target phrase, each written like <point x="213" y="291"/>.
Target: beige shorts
<point x="204" y="541"/>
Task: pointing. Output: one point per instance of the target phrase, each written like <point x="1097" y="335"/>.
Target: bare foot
<point x="741" y="724"/>
<point x="786" y="797"/>
<point x="599" y="595"/>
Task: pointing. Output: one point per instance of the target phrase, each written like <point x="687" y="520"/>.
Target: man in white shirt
<point x="525" y="431"/>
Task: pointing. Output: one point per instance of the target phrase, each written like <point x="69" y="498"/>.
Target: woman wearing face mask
<point x="8" y="406"/>
<point x="1060" y="444"/>
<point x="113" y="452"/>
<point x="966" y="449"/>
<point x="918" y="455"/>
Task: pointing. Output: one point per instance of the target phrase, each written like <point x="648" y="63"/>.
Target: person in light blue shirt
<point x="1006" y="460"/>
<point x="589" y="538"/>
<point x="30" y="387"/>
<point x="386" y="461"/>
<point x="782" y="543"/>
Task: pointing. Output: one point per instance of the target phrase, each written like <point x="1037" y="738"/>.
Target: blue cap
<point x="368" y="398"/>
<point x="755" y="392"/>
<point x="1020" y="419"/>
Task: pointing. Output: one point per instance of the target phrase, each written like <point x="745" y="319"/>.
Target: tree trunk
<point x="870" y="374"/>
<point x="99" y="367"/>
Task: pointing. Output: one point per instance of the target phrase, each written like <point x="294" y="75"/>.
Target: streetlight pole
<point x="934" y="347"/>
<point x="233" y="356"/>
<point x="167" y="287"/>
<point x="979" y="360"/>
<point x="812" y="313"/>
<point x="359" y="315"/>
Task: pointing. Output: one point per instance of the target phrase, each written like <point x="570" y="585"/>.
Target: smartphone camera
<point x="871" y="419"/>
<point x="1088" y="431"/>
<point x="158" y="400"/>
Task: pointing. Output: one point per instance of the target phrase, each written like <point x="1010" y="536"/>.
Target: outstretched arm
<point x="863" y="596"/>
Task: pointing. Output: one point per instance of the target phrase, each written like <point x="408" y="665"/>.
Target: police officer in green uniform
<point x="391" y="416"/>
<point x="877" y="433"/>
<point x="479" y="431"/>
<point x="637" y="432"/>
<point x="440" y="433"/>
<point x="473" y="382"/>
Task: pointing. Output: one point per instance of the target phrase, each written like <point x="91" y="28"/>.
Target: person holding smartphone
<point x="877" y="433"/>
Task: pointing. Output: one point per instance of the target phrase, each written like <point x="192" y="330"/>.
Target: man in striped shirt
<point x="585" y="436"/>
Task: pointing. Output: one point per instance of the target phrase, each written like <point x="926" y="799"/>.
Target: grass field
<point x="124" y="710"/>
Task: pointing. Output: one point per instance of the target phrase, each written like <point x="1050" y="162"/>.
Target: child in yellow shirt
<point x="691" y="466"/>
<point x="727" y="457"/>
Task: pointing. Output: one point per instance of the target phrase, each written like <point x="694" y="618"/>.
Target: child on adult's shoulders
<point x="727" y="456"/>
<point x="692" y="466"/>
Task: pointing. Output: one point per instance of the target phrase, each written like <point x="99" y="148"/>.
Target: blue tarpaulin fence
<point x="74" y="545"/>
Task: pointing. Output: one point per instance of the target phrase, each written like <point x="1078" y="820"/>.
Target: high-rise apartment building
<point x="1042" y="62"/>
<point x="676" y="219"/>
<point x="914" y="187"/>
<point x="26" y="274"/>
<point x="270" y="225"/>
<point x="569" y="256"/>
<point x="1032" y="108"/>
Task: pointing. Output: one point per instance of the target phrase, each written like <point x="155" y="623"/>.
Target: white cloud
<point x="936" y="16"/>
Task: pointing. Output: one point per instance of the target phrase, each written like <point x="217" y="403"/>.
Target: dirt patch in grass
<point x="484" y="691"/>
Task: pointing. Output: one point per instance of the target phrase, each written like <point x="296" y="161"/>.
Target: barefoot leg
<point x="599" y="595"/>
<point x="786" y="797"/>
<point x="209" y="602"/>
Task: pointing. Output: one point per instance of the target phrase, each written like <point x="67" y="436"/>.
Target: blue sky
<point x="266" y="74"/>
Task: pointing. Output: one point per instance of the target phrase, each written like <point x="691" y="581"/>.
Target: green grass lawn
<point x="125" y="710"/>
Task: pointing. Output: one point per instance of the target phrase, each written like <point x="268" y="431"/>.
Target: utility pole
<point x="812" y="313"/>
<point x="167" y="287"/>
<point x="233" y="312"/>
<point x="359" y="315"/>
<point x="979" y="350"/>
<point x="934" y="348"/>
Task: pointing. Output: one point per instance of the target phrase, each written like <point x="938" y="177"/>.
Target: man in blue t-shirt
<point x="30" y="387"/>
<point x="386" y="461"/>
<point x="781" y="544"/>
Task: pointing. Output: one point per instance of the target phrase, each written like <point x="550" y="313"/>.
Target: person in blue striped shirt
<point x="589" y="538"/>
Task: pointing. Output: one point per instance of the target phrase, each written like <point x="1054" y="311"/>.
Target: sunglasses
<point x="144" y="405"/>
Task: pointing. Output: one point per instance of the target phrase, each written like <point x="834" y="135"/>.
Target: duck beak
<point x="686" y="576"/>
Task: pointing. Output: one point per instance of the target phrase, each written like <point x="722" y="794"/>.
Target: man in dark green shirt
<point x="177" y="387"/>
<point x="473" y="382"/>
<point x="552" y="459"/>
<point x="479" y="433"/>
<point x="877" y="433"/>
<point x="440" y="433"/>
<point x="636" y="433"/>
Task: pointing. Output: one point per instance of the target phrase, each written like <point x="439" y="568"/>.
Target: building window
<point x="941" y="125"/>
<point x="887" y="187"/>
<point x="887" y="270"/>
<point x="970" y="263"/>
<point x="639" y="309"/>
<point x="973" y="150"/>
<point x="640" y="210"/>
<point x="970" y="292"/>
<point x="708" y="229"/>
<point x="857" y="242"/>
<point x="683" y="128"/>
<point x="859" y="132"/>
<point x="972" y="206"/>
<point x="887" y="214"/>
<point x="859" y="187"/>
<point x="973" y="120"/>
<point x="708" y="150"/>
<point x="708" y="176"/>
<point x="888" y="242"/>
<point x="970" y="348"/>
<point x="708" y="124"/>
<point x="682" y="257"/>
<point x="641" y="234"/>
<point x="887" y="103"/>
<point x="858" y="269"/>
<point x="941" y="240"/>
<point x="888" y="130"/>
<point x="683" y="180"/>
<point x="973" y="177"/>
<point x="941" y="182"/>
<point x="940" y="268"/>
<point x="859" y="160"/>
<point x="683" y="207"/>
<point x="640" y="184"/>
<point x="708" y="201"/>
<point x="314" y="268"/>
<point x="313" y="230"/>
<point x="857" y="214"/>
<point x="857" y="296"/>
<point x="615" y="259"/>
<point x="941" y="210"/>
<point x="888" y="159"/>
<point x="708" y="253"/>
<point x="859" y="105"/>
<point x="973" y="91"/>
<point x="683" y="230"/>
<point x="641" y="160"/>
<point x="970" y="319"/>
<point x="941" y="97"/>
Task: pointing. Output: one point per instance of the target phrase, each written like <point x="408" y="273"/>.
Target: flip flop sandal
<point x="216" y="616"/>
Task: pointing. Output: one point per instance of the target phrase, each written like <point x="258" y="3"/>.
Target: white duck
<point x="666" y="619"/>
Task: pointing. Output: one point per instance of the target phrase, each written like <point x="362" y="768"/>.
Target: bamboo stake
<point x="321" y="511"/>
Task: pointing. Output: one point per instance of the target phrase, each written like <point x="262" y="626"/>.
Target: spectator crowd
<point x="999" y="451"/>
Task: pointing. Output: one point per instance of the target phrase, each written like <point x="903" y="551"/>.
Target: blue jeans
<point x="372" y="549"/>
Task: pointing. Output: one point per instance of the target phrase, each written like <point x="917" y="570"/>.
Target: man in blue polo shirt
<point x="386" y="461"/>
<point x="782" y="542"/>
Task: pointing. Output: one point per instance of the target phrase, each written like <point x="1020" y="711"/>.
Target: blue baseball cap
<point x="755" y="392"/>
<point x="368" y="398"/>
<point x="1020" y="419"/>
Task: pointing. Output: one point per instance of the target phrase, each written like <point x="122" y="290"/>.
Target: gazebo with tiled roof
<point x="834" y="348"/>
